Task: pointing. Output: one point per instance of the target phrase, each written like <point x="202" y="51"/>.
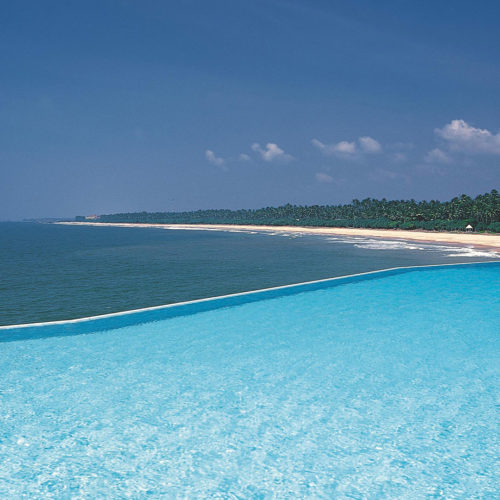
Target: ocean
<point x="53" y="272"/>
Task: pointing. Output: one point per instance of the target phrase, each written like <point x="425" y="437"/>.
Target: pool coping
<point x="131" y="317"/>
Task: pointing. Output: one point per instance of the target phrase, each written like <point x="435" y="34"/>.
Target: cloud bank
<point x="457" y="143"/>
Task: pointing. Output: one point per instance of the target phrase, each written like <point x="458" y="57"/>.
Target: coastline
<point x="491" y="241"/>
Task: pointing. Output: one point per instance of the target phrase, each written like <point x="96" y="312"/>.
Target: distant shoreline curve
<point x="463" y="239"/>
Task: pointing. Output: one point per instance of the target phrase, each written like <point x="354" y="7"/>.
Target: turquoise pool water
<point x="375" y="388"/>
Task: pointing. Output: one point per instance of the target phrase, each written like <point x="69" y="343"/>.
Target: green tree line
<point x="482" y="212"/>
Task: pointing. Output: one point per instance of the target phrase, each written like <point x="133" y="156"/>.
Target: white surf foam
<point x="448" y="250"/>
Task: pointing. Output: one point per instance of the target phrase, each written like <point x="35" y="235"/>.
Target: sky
<point x="118" y="106"/>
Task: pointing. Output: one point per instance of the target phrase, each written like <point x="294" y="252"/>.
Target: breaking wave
<point x="448" y="250"/>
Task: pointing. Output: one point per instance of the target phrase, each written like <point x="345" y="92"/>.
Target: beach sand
<point x="463" y="239"/>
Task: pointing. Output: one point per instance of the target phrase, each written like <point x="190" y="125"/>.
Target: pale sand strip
<point x="468" y="239"/>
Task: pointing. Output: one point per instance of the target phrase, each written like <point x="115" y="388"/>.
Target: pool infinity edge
<point x="121" y="319"/>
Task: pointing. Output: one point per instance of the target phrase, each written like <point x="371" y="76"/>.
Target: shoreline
<point x="480" y="240"/>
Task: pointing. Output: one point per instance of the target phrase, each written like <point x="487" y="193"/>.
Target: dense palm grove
<point x="482" y="212"/>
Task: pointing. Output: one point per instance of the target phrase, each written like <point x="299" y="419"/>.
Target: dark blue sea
<point x="53" y="272"/>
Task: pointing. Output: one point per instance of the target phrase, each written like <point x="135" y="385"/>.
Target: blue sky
<point x="110" y="106"/>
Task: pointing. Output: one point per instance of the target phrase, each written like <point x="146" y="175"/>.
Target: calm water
<point x="384" y="388"/>
<point x="50" y="272"/>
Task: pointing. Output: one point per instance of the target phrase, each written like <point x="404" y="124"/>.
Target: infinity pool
<point x="382" y="387"/>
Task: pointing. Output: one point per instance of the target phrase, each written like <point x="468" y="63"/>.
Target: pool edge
<point x="120" y="319"/>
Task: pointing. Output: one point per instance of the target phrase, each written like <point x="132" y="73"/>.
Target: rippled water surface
<point x="50" y="272"/>
<point x="384" y="388"/>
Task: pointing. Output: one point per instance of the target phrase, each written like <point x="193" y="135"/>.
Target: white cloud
<point x="272" y="152"/>
<point x="322" y="177"/>
<point x="324" y="148"/>
<point x="244" y="157"/>
<point x="436" y="155"/>
<point x="343" y="149"/>
<point x="349" y="150"/>
<point x="369" y="145"/>
<point x="214" y="160"/>
<point x="346" y="148"/>
<point x="462" y="137"/>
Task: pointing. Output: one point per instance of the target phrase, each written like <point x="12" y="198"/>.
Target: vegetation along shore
<point x="481" y="212"/>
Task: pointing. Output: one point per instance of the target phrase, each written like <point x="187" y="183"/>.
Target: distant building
<point x="91" y="217"/>
<point x="469" y="228"/>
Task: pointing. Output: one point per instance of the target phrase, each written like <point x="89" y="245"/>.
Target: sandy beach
<point x="464" y="239"/>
